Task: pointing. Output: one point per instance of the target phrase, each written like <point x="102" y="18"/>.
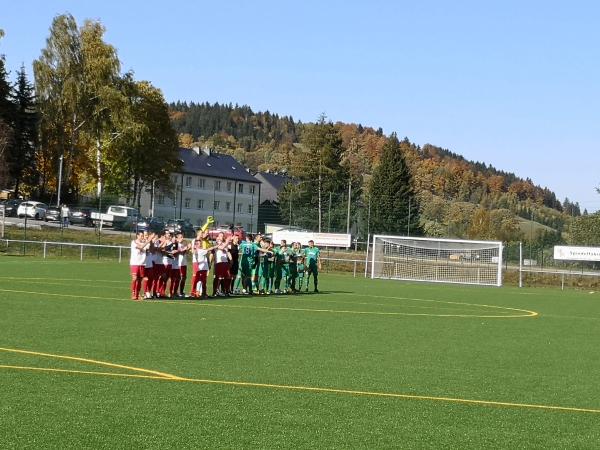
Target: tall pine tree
<point x="394" y="205"/>
<point x="7" y="116"/>
<point x="21" y="157"/>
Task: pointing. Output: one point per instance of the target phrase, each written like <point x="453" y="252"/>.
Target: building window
<point x="239" y="208"/>
<point x="200" y="204"/>
<point x="229" y="186"/>
<point x="188" y="181"/>
<point x="227" y="206"/>
<point x="217" y="185"/>
<point x="187" y="202"/>
<point x="250" y="209"/>
<point x="161" y="199"/>
<point x="217" y="204"/>
<point x="200" y="183"/>
<point x="241" y="188"/>
<point x="252" y="189"/>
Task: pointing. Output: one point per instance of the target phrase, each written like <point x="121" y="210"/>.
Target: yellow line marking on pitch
<point x="299" y="298"/>
<point x="87" y="372"/>
<point x="60" y="279"/>
<point x="88" y="361"/>
<point x="528" y="313"/>
<point x="276" y="308"/>
<point x="309" y="389"/>
<point x="388" y="305"/>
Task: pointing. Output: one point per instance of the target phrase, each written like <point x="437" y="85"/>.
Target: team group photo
<point x="299" y="225"/>
<point x="255" y="265"/>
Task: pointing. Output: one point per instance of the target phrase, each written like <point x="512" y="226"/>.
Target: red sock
<point x="133" y="286"/>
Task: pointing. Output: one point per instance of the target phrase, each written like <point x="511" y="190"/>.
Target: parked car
<point x="35" y="210"/>
<point x="151" y="224"/>
<point x="53" y="213"/>
<point x="181" y="226"/>
<point x="10" y="207"/>
<point x="81" y="216"/>
<point x="228" y="232"/>
<point x="116" y="216"/>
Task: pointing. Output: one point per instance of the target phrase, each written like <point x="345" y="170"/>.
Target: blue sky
<point x="513" y="83"/>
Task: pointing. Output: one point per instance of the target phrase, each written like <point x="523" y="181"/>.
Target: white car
<point x="35" y="210"/>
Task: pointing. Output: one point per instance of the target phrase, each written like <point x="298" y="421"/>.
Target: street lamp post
<point x="60" y="167"/>
<point x="252" y="212"/>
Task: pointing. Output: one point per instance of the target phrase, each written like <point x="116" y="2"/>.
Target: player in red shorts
<point x="222" y="258"/>
<point x="183" y="249"/>
<point x="175" y="274"/>
<point x="202" y="264"/>
<point x="148" y="269"/>
<point x="137" y="263"/>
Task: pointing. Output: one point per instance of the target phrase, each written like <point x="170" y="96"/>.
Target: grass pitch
<point x="364" y="364"/>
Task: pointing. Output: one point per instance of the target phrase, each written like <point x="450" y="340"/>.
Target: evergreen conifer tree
<point x="393" y="203"/>
<point x="7" y="108"/>
<point x="21" y="157"/>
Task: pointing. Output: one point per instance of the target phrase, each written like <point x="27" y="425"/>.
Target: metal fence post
<point x="81" y="254"/>
<point x="520" y="264"/>
<point x="44" y="249"/>
<point x="120" y="252"/>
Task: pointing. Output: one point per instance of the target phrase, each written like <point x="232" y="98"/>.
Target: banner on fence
<point x="321" y="239"/>
<point x="569" y="253"/>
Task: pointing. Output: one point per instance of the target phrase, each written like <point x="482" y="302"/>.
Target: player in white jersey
<point x="183" y="249"/>
<point x="202" y="266"/>
<point x="175" y="275"/>
<point x="137" y="264"/>
<point x="149" y="266"/>
<point x="222" y="258"/>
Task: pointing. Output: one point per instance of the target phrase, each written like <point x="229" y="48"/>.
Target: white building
<point x="209" y="184"/>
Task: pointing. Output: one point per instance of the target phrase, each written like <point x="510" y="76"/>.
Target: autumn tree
<point x="145" y="150"/>
<point x="75" y="80"/>
<point x="585" y="230"/>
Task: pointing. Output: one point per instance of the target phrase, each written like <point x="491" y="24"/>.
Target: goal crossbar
<point x="437" y="260"/>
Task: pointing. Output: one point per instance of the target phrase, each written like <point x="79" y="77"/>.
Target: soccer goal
<point x="437" y="260"/>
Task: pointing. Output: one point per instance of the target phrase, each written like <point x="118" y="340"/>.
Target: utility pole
<point x="409" y="216"/>
<point x="60" y="166"/>
<point x="328" y="217"/>
<point x="349" y="199"/>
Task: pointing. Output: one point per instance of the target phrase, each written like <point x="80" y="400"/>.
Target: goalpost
<point x="437" y="260"/>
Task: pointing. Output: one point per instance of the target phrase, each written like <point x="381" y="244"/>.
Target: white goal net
<point x="437" y="260"/>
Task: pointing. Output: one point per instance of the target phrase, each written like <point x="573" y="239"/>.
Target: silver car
<point x="35" y="210"/>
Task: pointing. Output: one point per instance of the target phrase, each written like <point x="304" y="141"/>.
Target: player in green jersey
<point x="301" y="271"/>
<point x="264" y="268"/>
<point x="294" y="255"/>
<point x="282" y="260"/>
<point x="299" y="267"/>
<point x="248" y="251"/>
<point x="313" y="263"/>
<point x="272" y="270"/>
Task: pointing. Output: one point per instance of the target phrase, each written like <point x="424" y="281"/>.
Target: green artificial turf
<point x="364" y="336"/>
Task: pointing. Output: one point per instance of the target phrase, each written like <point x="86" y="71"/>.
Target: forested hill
<point x="250" y="129"/>
<point x="267" y="141"/>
